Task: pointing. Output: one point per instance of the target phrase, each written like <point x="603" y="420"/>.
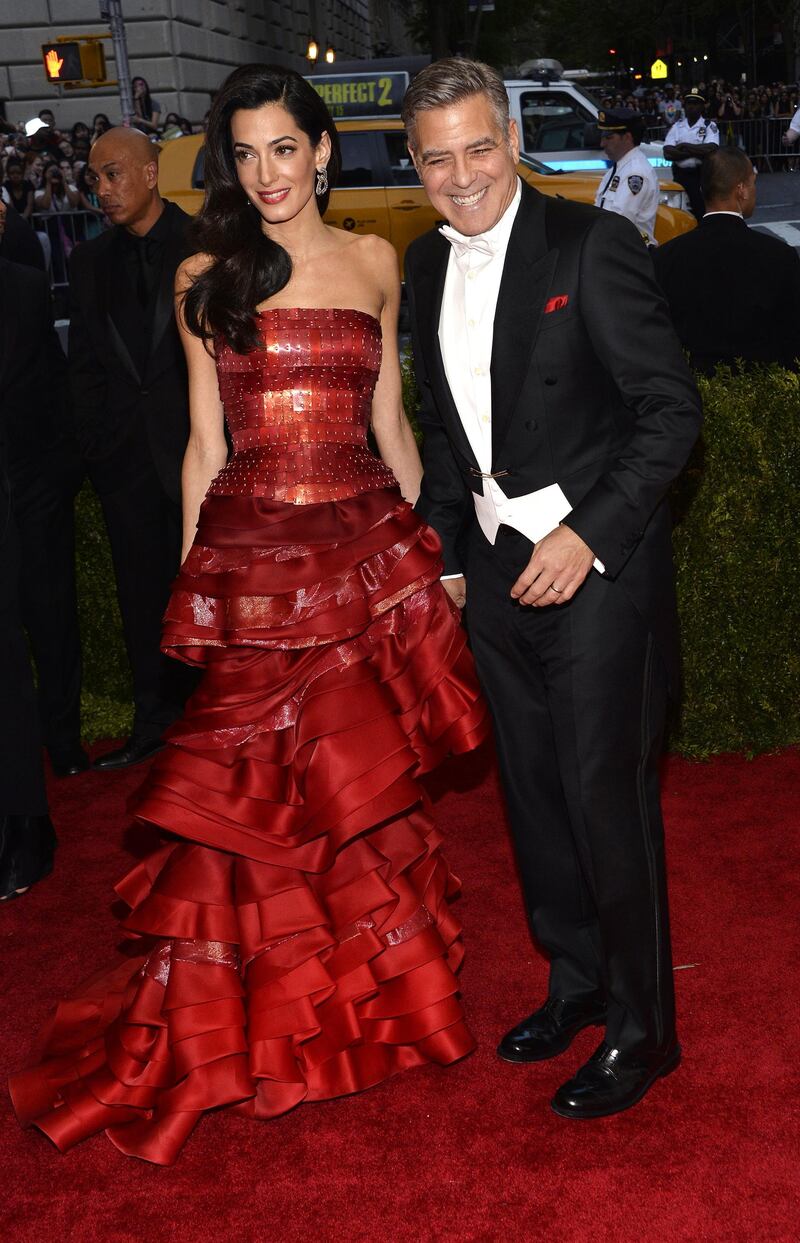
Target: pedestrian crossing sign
<point x="658" y="69"/>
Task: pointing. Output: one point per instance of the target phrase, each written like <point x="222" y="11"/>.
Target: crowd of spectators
<point x="44" y="175"/>
<point x="754" y="118"/>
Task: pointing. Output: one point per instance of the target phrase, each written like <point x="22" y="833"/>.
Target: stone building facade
<point x="184" y="48"/>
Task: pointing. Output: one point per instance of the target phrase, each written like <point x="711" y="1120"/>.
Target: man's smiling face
<point x="467" y="163"/>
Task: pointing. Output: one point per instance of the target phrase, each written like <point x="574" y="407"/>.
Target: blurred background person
<point x="733" y="293"/>
<point x="630" y="187"/>
<point x="20" y="191"/>
<point x="147" y="110"/>
<point x="27" y="838"/>
<point x="687" y="143"/>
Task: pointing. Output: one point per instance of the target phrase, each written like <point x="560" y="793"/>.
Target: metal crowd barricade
<point x="59" y="233"/>
<point x="760" y="137"/>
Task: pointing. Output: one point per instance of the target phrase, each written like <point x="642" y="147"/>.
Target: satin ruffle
<point x="298" y="943"/>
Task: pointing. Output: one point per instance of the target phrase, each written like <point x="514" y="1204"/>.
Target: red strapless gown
<point x="295" y="940"/>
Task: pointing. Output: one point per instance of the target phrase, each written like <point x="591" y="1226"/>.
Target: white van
<point x="557" y="122"/>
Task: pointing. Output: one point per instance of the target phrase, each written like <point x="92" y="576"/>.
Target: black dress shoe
<point x="551" y="1030"/>
<point x="69" y="763"/>
<point x="612" y="1081"/>
<point x="135" y="751"/>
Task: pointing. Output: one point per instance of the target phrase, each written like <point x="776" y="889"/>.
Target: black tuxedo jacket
<point x="733" y="293"/>
<point x="122" y="406"/>
<point x="36" y="438"/>
<point x="590" y="390"/>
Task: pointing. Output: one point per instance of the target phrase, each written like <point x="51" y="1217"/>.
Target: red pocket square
<point x="556" y="304"/>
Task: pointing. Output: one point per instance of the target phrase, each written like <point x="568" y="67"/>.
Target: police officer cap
<point x="694" y="96"/>
<point x="618" y="120"/>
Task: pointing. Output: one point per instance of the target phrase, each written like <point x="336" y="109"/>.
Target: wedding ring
<point x="557" y="590"/>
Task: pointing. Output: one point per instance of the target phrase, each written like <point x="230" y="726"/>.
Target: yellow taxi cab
<point x="378" y="190"/>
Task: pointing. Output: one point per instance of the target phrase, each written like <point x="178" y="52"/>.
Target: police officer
<point x="630" y="187"/>
<point x="687" y="142"/>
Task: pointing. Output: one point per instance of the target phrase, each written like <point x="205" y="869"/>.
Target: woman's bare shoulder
<point x="192" y="267"/>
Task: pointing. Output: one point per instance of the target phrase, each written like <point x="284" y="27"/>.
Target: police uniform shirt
<point x="630" y="188"/>
<point x="794" y="124"/>
<point x="702" y="131"/>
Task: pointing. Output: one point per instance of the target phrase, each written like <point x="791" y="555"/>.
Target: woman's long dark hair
<point x="248" y="266"/>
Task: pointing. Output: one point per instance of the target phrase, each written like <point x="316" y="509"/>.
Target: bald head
<point x="124" y="143"/>
<point x="123" y="168"/>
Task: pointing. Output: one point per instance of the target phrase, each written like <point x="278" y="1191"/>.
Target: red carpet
<point x="470" y="1153"/>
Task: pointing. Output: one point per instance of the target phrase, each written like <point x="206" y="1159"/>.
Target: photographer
<point x="55" y="196"/>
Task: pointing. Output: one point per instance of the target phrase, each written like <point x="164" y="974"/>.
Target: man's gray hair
<point x="450" y="81"/>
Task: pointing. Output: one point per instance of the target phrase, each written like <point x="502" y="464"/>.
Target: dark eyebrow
<point x="273" y="143"/>
<point x="433" y="152"/>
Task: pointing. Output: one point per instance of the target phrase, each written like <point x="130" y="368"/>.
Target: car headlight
<point x="674" y="198"/>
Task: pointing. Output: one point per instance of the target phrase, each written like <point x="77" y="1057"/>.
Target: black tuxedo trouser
<point x="578" y="695"/>
<point x="45" y="516"/>
<point x="144" y="531"/>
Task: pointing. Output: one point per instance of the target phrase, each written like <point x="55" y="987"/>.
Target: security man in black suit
<point x="45" y="471"/>
<point x="129" y="386"/>
<point x="27" y="838"/>
<point x="733" y="293"/>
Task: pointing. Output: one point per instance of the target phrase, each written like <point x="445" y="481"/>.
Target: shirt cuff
<point x="444" y="577"/>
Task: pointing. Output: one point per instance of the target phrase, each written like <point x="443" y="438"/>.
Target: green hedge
<point x="737" y="551"/>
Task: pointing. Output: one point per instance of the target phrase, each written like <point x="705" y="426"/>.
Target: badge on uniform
<point x="635" y="183"/>
<point x="613" y="184"/>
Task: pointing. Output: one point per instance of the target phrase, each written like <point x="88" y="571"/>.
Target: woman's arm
<point x="28" y="208"/>
<point x="392" y="429"/>
<point x="73" y="195"/>
<point x="206" y="451"/>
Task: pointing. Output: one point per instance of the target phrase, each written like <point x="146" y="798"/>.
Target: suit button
<point x="145" y="392"/>
<point x="549" y="379"/>
<point x="531" y="425"/>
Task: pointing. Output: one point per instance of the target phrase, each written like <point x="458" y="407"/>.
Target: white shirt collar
<point x="737" y="214"/>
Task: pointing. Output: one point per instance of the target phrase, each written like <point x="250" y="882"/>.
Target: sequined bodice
<point x="298" y="410"/>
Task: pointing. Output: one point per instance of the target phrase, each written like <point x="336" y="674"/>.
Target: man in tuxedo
<point x="129" y="387"/>
<point x="557" y="408"/>
<point x="733" y="293"/>
<point x="45" y="471"/>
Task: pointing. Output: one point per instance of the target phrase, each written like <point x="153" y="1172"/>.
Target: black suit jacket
<point x="590" y="390"/>
<point x="36" y="437"/>
<point x="733" y="293"/>
<point x="124" y="408"/>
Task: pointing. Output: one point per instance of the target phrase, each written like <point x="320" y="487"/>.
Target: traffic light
<point x="75" y="61"/>
<point x="62" y="62"/>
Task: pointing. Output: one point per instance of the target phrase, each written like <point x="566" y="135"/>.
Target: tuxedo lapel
<point x="8" y="322"/>
<point x="119" y="308"/>
<point x="164" y="310"/>
<point x="527" y="275"/>
<point x="429" y="290"/>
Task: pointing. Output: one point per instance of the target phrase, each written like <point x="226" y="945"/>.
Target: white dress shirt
<point x="701" y="132"/>
<point x="466" y="334"/>
<point x="630" y="189"/>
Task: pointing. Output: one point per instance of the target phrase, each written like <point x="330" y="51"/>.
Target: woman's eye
<point x="286" y="150"/>
<point x="243" y="155"/>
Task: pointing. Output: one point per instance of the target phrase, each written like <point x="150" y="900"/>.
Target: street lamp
<point x="312" y="51"/>
<point x="330" y="55"/>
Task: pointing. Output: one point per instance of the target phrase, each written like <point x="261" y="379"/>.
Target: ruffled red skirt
<point x="293" y="935"/>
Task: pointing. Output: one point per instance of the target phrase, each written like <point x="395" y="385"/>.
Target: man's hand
<point x="559" y="564"/>
<point x="456" y="589"/>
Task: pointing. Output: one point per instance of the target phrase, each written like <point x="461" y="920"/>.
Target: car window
<point x="358" y="161"/>
<point x="199" y="171"/>
<point x="401" y="170"/>
<point x="552" y="121"/>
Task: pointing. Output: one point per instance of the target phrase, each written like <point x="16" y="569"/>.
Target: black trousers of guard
<point x="689" y="178"/>
<point x="144" y="531"/>
<point x="44" y="494"/>
<point x="578" y="695"/>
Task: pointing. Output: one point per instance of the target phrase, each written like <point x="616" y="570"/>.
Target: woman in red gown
<point x="293" y="931"/>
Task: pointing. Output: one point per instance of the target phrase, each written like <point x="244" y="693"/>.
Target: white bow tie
<point x="464" y="247"/>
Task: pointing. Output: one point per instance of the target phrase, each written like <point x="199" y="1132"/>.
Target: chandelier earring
<point x="322" y="182"/>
